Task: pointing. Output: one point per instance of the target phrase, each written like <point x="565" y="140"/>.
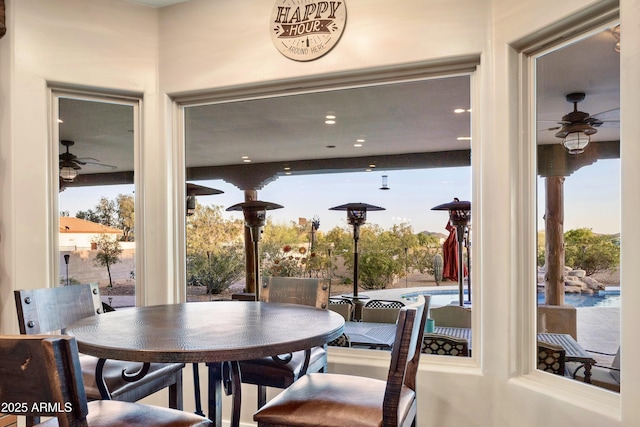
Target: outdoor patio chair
<point x="601" y="375"/>
<point x="381" y="311"/>
<point x="551" y="358"/>
<point x="445" y="345"/>
<point x="275" y="371"/>
<point x="349" y="400"/>
<point x="452" y="316"/>
<point x="48" y="310"/>
<point x="343" y="307"/>
<point x="41" y="375"/>
<point x="342" y="341"/>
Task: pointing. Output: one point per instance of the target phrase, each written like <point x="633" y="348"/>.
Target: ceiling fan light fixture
<point x="68" y="174"/>
<point x="576" y="142"/>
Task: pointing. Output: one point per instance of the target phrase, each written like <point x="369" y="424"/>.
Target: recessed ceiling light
<point x="287" y="173"/>
<point x="357" y="144"/>
<point x="464" y="138"/>
<point x="360" y="140"/>
<point x="330" y="117"/>
<point x="461" y="110"/>
<point x="245" y="157"/>
<point x="247" y="160"/>
<point x="330" y="122"/>
<point x="372" y="165"/>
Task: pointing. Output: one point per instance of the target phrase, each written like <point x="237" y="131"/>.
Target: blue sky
<point x="591" y="197"/>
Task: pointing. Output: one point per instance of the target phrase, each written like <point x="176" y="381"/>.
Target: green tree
<point x="125" y="217"/>
<point x="215" y="250"/>
<point x="118" y="213"/>
<point x="591" y="252"/>
<point x="108" y="254"/>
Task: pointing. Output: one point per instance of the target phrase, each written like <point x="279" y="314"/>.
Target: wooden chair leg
<point x="262" y="396"/>
<point x="176" y="399"/>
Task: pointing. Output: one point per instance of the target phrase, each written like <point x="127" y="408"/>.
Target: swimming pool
<point x="608" y="298"/>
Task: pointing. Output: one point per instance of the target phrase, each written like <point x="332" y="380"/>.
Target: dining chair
<point x="381" y="311"/>
<point x="41" y="376"/>
<point x="551" y="358"/>
<point x="342" y="306"/>
<point x="280" y="371"/>
<point x="445" y="345"/>
<point x="452" y="316"/>
<point x="48" y="310"/>
<point x="326" y="399"/>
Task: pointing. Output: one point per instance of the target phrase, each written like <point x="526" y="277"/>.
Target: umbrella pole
<point x="460" y="237"/>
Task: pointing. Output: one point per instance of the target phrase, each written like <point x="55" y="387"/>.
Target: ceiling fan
<point x="70" y="164"/>
<point x="577" y="126"/>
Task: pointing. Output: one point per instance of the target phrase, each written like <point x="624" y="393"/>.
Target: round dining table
<point x="216" y="333"/>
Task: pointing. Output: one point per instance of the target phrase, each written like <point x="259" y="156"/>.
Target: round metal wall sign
<point x="304" y="30"/>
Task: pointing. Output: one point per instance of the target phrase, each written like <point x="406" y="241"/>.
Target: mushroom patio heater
<point x="459" y="217"/>
<point x="255" y="215"/>
<point x="194" y="190"/>
<point x="356" y="216"/>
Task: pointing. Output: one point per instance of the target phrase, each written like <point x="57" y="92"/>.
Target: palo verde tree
<point x="215" y="252"/>
<point x="108" y="254"/>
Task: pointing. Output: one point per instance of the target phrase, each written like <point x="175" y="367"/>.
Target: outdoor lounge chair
<point x="602" y="376"/>
<point x="551" y="358"/>
<point x="452" y="316"/>
<point x="445" y="345"/>
<point x="381" y="311"/>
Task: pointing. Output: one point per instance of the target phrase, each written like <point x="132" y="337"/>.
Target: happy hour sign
<point x="304" y="30"/>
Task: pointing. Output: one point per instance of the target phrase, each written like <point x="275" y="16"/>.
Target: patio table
<point x="216" y="333"/>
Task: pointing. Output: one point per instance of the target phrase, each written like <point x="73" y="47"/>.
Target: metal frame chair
<point x="42" y="375"/>
<point x="342" y="400"/>
<point x="445" y="345"/>
<point x="47" y="310"/>
<point x="280" y="371"/>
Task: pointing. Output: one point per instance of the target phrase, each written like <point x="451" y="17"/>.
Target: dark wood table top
<point x="205" y="331"/>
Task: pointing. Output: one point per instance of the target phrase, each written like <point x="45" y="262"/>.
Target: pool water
<point x="608" y="298"/>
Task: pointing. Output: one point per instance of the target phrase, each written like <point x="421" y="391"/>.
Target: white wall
<point x="204" y="44"/>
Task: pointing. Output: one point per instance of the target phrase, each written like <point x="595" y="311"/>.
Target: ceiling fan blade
<point x="101" y="165"/>
<point x="608" y="115"/>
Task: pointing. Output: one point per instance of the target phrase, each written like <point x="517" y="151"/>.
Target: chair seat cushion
<point x="268" y="372"/>
<point x="117" y="386"/>
<point x="109" y="413"/>
<point x="333" y="400"/>
<point x="601" y="377"/>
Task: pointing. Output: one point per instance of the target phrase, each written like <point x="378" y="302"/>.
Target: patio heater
<point x="459" y="217"/>
<point x="255" y="215"/>
<point x="194" y="190"/>
<point x="356" y="216"/>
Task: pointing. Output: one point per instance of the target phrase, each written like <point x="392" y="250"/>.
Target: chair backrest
<point x="445" y="345"/>
<point x="551" y="358"/>
<point x="405" y="358"/>
<point x="381" y="311"/>
<point x="51" y="309"/>
<point x="615" y="364"/>
<point x="295" y="290"/>
<point x="453" y="316"/>
<point x="41" y="375"/>
<point x="342" y="306"/>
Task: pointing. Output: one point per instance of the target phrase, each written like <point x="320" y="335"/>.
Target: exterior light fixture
<point x="194" y="190"/>
<point x="459" y="218"/>
<point x="255" y="217"/>
<point x="356" y="216"/>
<point x="68" y="173"/>
<point x="385" y="185"/>
<point x="576" y="127"/>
